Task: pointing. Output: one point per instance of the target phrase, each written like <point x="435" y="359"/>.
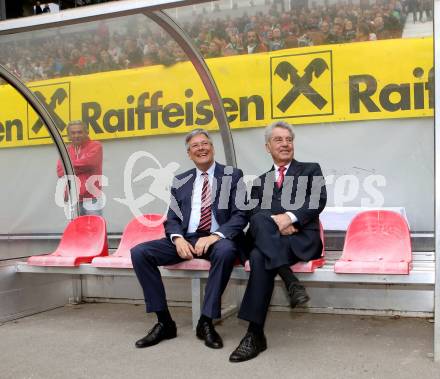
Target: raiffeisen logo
<point x="375" y="97"/>
<point x="376" y="80"/>
<point x="150" y="111"/>
<point x="302" y="85"/>
<point x="56" y="98"/>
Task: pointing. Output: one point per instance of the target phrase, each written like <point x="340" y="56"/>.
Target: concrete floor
<point x="96" y="341"/>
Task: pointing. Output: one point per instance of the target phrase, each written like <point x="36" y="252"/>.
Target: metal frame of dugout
<point x="152" y="9"/>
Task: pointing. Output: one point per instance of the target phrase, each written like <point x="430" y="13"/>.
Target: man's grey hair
<point x="194" y="133"/>
<point x="77" y="122"/>
<point x="277" y="124"/>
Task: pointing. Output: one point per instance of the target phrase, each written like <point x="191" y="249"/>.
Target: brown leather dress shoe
<point x="158" y="332"/>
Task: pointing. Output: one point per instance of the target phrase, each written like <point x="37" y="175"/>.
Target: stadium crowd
<point x="142" y="44"/>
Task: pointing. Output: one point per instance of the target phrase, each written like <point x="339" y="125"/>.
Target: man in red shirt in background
<point x="86" y="157"/>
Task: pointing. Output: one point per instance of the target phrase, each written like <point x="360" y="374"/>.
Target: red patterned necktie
<point x="205" y="211"/>
<point x="280" y="180"/>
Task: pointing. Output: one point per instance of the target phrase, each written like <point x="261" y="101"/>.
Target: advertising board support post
<point x="199" y="64"/>
<point x="437" y="183"/>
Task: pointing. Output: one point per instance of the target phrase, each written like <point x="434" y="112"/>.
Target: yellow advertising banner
<point x="322" y="84"/>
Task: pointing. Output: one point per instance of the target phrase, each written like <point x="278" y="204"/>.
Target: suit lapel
<point x="294" y="168"/>
<point x="270" y="174"/>
<point x="218" y="175"/>
<point x="268" y="177"/>
<point x="187" y="191"/>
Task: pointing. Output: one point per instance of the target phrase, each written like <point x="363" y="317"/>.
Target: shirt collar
<point x="286" y="166"/>
<point x="210" y="171"/>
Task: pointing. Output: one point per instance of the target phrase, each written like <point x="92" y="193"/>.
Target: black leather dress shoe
<point x="250" y="346"/>
<point x="205" y="331"/>
<point x="297" y="294"/>
<point x="158" y="333"/>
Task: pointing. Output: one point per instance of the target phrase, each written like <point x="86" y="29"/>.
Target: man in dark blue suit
<point x="203" y="221"/>
<point x="284" y="228"/>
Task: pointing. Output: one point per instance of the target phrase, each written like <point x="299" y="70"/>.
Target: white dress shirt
<point x="196" y="204"/>
<point x="277" y="175"/>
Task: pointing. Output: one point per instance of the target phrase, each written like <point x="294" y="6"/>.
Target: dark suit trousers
<point x="266" y="237"/>
<point x="147" y="256"/>
<point x="269" y="253"/>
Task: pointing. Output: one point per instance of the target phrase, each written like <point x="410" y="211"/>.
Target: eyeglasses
<point x="200" y="145"/>
<point x="279" y="140"/>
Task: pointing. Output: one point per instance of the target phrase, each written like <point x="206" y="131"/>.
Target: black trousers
<point x="147" y="256"/>
<point x="271" y="250"/>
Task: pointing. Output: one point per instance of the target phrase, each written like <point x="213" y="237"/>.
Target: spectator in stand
<point x="105" y="62"/>
<point x="349" y="32"/>
<point x="178" y="53"/>
<point x="364" y="4"/>
<point x="281" y="3"/>
<point x="254" y="43"/>
<point x="134" y="54"/>
<point x="426" y="6"/>
<point x="233" y="46"/>
<point x="267" y="36"/>
<point x="285" y="23"/>
<point x="151" y="57"/>
<point x="337" y="34"/>
<point x="46" y="8"/>
<point x="251" y="25"/>
<point x="204" y="49"/>
<point x="277" y="43"/>
<point x="74" y="67"/>
<point x="115" y="49"/>
<point x="363" y="33"/>
<point x="318" y="36"/>
<point x="201" y="38"/>
<point x="165" y="56"/>
<point x="213" y="50"/>
<point x="219" y="38"/>
<point x="414" y="8"/>
<point x="231" y="29"/>
<point x="138" y="45"/>
<point x="379" y="28"/>
<point x="305" y="40"/>
<point x="37" y="8"/>
<point x="103" y="30"/>
<point x="291" y="40"/>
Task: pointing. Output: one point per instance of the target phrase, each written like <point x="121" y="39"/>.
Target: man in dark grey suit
<point x="203" y="221"/>
<point x="284" y="229"/>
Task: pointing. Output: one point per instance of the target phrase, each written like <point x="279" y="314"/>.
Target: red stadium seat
<point x="197" y="264"/>
<point x="305" y="267"/>
<point x="377" y="242"/>
<point x="83" y="239"/>
<point x="134" y="233"/>
<point x="310" y="266"/>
